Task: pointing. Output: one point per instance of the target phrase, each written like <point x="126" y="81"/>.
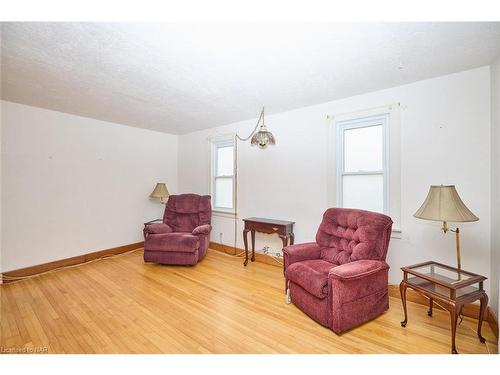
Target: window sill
<point x="223" y="213"/>
<point x="397" y="233"/>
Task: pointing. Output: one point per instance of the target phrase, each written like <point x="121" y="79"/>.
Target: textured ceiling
<point x="178" y="78"/>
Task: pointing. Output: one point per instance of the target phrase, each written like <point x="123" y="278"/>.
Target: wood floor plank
<point x="121" y="305"/>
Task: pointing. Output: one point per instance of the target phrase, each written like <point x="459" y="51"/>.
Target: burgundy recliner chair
<point x="341" y="280"/>
<point x="183" y="236"/>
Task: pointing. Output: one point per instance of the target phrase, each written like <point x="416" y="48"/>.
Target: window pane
<point x="224" y="192"/>
<point x="363" y="191"/>
<point x="225" y="161"/>
<point x="363" y="149"/>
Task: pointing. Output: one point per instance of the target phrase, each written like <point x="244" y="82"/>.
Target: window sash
<point x="358" y="123"/>
<point x="216" y="145"/>
<point x="223" y="177"/>
<point x="218" y="178"/>
<point x="216" y="161"/>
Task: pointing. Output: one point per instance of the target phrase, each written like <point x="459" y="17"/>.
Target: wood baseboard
<point x="79" y="259"/>
<point x="259" y="257"/>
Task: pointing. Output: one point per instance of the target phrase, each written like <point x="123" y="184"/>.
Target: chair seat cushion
<point x="178" y="241"/>
<point x="311" y="275"/>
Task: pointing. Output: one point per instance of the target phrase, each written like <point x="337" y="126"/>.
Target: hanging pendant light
<point x="263" y="137"/>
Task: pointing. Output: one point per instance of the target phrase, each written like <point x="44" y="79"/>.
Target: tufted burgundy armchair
<point x="183" y="236"/>
<point x="341" y="280"/>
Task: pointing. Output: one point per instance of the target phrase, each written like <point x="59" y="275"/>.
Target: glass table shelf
<point x="446" y="274"/>
<point x="439" y="289"/>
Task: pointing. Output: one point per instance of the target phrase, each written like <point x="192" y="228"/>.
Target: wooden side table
<point x="449" y="286"/>
<point x="282" y="228"/>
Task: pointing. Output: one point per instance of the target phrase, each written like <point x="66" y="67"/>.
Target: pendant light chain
<point x="256" y="126"/>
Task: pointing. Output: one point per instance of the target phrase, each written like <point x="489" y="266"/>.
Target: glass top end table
<point x="449" y="274"/>
<point x="452" y="287"/>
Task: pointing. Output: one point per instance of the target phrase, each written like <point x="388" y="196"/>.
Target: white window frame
<point x="216" y="143"/>
<point x="359" y="123"/>
<point x="395" y="123"/>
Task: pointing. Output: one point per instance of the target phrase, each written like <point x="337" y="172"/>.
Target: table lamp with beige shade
<point x="444" y="204"/>
<point x="160" y="192"/>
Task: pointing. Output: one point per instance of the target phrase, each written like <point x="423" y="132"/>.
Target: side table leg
<point x="402" y="290"/>
<point x="245" y="241"/>
<point x="284" y="239"/>
<point x="292" y="238"/>
<point x="454" y="318"/>
<point x="252" y="233"/>
<point x="284" y="272"/>
<point x="482" y="313"/>
<point x="431" y="305"/>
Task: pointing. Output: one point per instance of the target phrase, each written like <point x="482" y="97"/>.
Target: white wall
<point x="445" y="138"/>
<point x="495" y="185"/>
<point x="73" y="185"/>
<point x="1" y="130"/>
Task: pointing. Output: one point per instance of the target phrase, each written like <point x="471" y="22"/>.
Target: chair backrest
<point x="184" y="212"/>
<point x="346" y="235"/>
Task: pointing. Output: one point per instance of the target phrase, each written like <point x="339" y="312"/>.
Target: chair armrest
<point x="154" y="221"/>
<point x="300" y="252"/>
<point x="357" y="269"/>
<point x="157" y="228"/>
<point x="202" y="229"/>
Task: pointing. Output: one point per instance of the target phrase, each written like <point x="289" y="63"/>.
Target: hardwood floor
<point x="122" y="305"/>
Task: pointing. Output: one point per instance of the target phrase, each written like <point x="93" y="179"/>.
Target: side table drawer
<point x="263" y="228"/>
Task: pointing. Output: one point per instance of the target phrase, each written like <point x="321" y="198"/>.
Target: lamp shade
<point x="444" y="204"/>
<point x="160" y="191"/>
<point x="263" y="138"/>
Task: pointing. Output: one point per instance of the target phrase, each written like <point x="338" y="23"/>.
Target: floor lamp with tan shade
<point x="444" y="204"/>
